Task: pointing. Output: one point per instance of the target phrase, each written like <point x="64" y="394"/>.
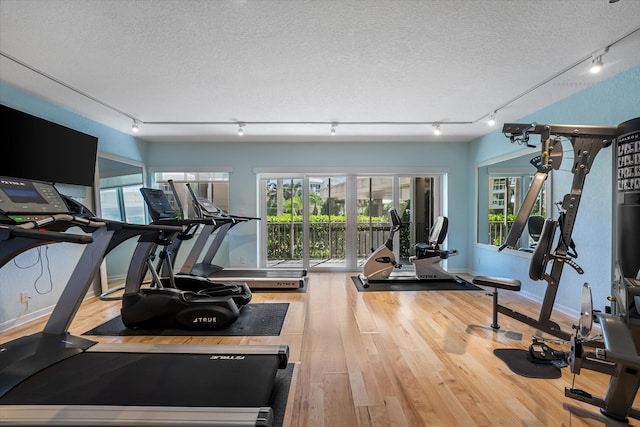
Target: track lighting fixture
<point x="597" y="64"/>
<point x="436" y="129"/>
<point x="596" y="60"/>
<point x="240" y="129"/>
<point x="492" y="119"/>
<point x="333" y="128"/>
<point x="134" y="126"/>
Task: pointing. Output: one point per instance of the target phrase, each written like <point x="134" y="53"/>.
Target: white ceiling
<point x="308" y="61"/>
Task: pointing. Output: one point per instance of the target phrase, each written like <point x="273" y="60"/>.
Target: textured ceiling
<point x="311" y="61"/>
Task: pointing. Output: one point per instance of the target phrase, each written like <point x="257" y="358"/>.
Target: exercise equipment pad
<point x="519" y="361"/>
<point x="416" y="285"/>
<point x="254" y="320"/>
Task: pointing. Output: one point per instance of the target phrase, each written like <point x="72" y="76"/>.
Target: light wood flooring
<point x="398" y="359"/>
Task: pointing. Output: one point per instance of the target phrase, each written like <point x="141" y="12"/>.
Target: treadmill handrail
<point x="10" y="231"/>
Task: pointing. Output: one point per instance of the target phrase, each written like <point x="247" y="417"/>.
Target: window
<point x="213" y="186"/>
<point x="120" y="201"/>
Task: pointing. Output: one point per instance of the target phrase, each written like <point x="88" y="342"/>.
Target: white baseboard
<point x="26" y="318"/>
<point x="34" y="315"/>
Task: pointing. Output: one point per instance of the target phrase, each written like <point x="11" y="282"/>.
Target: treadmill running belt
<point x="192" y="380"/>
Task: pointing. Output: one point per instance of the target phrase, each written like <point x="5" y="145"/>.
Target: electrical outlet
<point x="24" y="297"/>
<point x="243" y="260"/>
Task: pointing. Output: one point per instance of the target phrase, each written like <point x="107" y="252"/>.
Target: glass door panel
<point x="405" y="210"/>
<point x="374" y="198"/>
<point x="327" y="222"/>
<point x="424" y="211"/>
<point x="285" y="217"/>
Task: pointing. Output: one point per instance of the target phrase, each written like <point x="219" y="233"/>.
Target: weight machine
<point x="587" y="141"/>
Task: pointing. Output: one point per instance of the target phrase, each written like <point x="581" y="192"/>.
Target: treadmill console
<point x="208" y="208"/>
<point x="202" y="205"/>
<point x="158" y="204"/>
<point x="23" y="200"/>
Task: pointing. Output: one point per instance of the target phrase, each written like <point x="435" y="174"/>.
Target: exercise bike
<point x="428" y="256"/>
<point x="380" y="265"/>
<point x="382" y="261"/>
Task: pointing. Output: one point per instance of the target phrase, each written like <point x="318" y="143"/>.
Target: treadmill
<point x="55" y="378"/>
<point x="255" y="278"/>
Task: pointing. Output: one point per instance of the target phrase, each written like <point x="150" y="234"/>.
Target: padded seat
<point x="498" y="282"/>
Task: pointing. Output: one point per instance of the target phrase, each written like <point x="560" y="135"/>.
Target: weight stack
<point x="627" y="176"/>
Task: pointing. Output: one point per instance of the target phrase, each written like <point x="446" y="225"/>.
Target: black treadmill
<point x="55" y="378"/>
<point x="255" y="278"/>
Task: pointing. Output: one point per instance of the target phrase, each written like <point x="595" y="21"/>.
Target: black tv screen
<point x="35" y="148"/>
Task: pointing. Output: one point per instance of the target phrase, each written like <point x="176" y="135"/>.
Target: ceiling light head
<point x="596" y="64"/>
<point x="240" y="129"/>
<point x="134" y="126"/>
<point x="492" y="120"/>
<point x="436" y="129"/>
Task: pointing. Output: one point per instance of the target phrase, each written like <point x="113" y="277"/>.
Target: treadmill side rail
<point x="97" y="415"/>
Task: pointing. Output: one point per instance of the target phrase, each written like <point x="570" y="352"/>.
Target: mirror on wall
<point x="502" y="187"/>
<point x="120" y="200"/>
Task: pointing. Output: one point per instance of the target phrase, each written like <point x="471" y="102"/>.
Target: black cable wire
<point x="40" y="262"/>
<point x="35" y="283"/>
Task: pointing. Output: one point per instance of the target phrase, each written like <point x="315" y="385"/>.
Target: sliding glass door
<point x="334" y="222"/>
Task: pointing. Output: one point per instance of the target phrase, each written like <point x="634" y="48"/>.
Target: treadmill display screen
<point x="26" y="193"/>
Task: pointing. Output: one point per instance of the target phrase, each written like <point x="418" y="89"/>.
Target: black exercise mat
<point x="254" y="319"/>
<point x="280" y="394"/>
<point x="416" y="285"/>
<point x="519" y="362"/>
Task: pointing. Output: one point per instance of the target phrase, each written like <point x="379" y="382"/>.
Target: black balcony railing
<point x="327" y="240"/>
<point x="498" y="231"/>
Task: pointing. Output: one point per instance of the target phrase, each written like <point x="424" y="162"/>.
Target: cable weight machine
<point x="587" y="141"/>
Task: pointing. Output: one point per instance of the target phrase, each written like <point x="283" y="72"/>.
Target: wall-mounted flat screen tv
<point x="35" y="148"/>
